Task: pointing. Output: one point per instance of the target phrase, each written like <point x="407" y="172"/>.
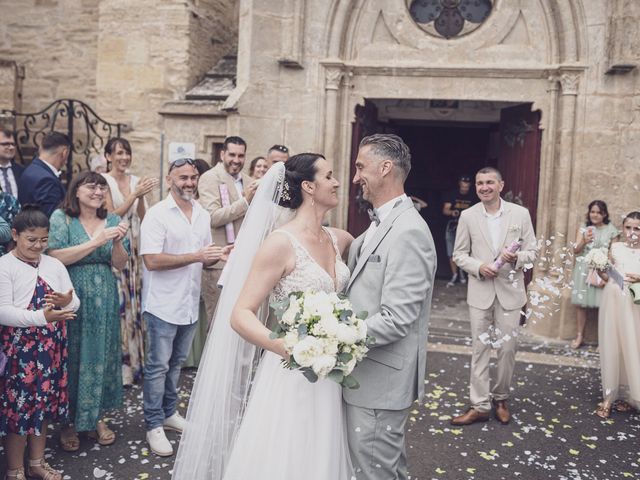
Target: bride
<point x="286" y="428"/>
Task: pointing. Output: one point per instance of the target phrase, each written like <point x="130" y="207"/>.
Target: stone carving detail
<point x="569" y="83"/>
<point x="333" y="76"/>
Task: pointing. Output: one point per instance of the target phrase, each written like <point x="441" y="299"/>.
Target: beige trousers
<point x="210" y="291"/>
<point x="500" y="327"/>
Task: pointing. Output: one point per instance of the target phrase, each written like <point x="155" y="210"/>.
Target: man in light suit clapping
<point x="486" y="241"/>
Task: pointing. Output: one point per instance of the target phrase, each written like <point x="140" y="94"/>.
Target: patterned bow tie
<point x="373" y="216"/>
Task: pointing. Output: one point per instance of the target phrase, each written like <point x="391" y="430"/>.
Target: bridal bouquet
<point x="322" y="335"/>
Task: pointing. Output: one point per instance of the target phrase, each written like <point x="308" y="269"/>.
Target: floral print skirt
<point x="33" y="385"/>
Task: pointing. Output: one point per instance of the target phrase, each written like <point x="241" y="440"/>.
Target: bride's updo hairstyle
<point x="299" y="168"/>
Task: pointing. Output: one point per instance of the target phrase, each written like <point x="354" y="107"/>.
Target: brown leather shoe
<point x="470" y="416"/>
<point x="501" y="411"/>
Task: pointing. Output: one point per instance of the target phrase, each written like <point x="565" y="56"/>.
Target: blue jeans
<point x="167" y="348"/>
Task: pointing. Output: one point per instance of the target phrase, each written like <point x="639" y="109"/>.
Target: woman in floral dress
<point x="36" y="300"/>
<point x="126" y="198"/>
<point x="90" y="242"/>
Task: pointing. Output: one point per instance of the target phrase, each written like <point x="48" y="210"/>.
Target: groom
<point x="392" y="267"/>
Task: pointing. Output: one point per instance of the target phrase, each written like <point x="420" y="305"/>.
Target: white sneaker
<point x="158" y="442"/>
<point x="175" y="422"/>
<point x="452" y="282"/>
<point x="463" y="278"/>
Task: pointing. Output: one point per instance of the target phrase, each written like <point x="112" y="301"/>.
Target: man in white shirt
<point x="225" y="192"/>
<point x="175" y="245"/>
<point x="485" y="233"/>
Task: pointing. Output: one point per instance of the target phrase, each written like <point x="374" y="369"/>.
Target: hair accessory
<point x="286" y="195"/>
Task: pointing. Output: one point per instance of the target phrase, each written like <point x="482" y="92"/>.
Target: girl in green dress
<point x="90" y="242"/>
<point x="597" y="232"/>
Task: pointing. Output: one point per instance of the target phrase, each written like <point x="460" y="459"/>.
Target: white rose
<point x="290" y="341"/>
<point x="328" y="325"/>
<point x="331" y="347"/>
<point x="323" y="364"/>
<point x="317" y="304"/>
<point x="347" y="333"/>
<point x="289" y="317"/>
<point x="362" y="329"/>
<point x="307" y="350"/>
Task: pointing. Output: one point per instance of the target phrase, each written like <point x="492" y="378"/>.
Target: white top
<point x="11" y="177"/>
<point x="383" y="212"/>
<point x="173" y="295"/>
<point x="18" y="282"/>
<point x="494" y="223"/>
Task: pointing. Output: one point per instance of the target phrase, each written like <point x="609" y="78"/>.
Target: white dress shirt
<point x="12" y="180"/>
<point x="55" y="171"/>
<point x="494" y="223"/>
<point x="18" y="282"/>
<point x="383" y="212"/>
<point x="173" y="295"/>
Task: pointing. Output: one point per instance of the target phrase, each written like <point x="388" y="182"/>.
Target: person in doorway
<point x="455" y="203"/>
<point x="496" y="295"/>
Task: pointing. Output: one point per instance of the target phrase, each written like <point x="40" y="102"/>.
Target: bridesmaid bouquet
<point x="598" y="260"/>
<point x="322" y="335"/>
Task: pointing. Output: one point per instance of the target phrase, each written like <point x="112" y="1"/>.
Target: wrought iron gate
<point x="88" y="132"/>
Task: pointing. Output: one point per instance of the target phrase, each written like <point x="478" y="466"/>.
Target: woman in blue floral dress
<point x="36" y="300"/>
<point x="90" y="242"/>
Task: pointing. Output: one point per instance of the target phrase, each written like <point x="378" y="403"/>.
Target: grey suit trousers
<point x="376" y="443"/>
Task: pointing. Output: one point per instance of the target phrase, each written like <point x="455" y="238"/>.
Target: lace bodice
<point x="308" y="274"/>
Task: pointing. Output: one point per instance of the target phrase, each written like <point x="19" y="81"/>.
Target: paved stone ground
<point x="553" y="435"/>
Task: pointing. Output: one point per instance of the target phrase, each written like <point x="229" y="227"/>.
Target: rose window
<point x="450" y="18"/>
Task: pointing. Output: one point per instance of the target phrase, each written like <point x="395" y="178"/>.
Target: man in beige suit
<point x="225" y="192"/>
<point x="495" y="295"/>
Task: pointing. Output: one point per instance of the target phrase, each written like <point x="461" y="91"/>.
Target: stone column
<point x="333" y="77"/>
<point x="564" y="165"/>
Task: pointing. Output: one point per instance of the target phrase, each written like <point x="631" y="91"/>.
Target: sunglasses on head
<point x="180" y="162"/>
<point x="280" y="148"/>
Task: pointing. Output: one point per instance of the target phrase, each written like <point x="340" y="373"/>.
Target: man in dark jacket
<point x="40" y="183"/>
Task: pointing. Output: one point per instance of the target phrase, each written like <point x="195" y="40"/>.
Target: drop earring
<point x="312" y="202"/>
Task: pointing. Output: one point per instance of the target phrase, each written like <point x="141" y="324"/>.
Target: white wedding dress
<point x="293" y="429"/>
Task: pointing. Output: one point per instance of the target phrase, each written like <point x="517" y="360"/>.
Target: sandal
<point x="47" y="471"/>
<point x="70" y="442"/>
<point x="623" y="407"/>
<point x="17" y="473"/>
<point x="576" y="343"/>
<point x="103" y="434"/>
<point x="603" y="410"/>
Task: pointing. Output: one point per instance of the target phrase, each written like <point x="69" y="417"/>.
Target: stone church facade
<point x="547" y="90"/>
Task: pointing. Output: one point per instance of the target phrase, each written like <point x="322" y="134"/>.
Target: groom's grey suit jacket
<point x="392" y="279"/>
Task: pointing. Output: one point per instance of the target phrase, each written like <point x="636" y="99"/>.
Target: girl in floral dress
<point x="36" y="300"/>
